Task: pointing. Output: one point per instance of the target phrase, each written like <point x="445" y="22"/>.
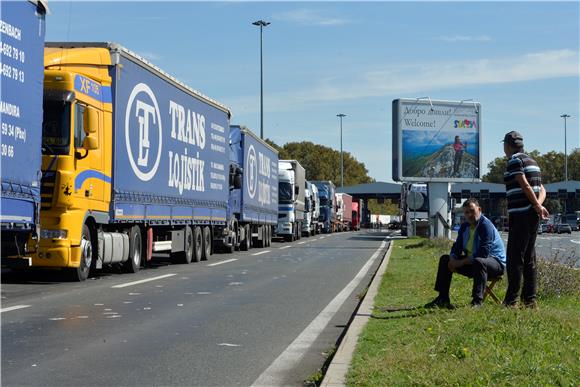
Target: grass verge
<point x="491" y="345"/>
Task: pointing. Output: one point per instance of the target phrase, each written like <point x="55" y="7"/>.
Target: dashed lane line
<point x="142" y="281"/>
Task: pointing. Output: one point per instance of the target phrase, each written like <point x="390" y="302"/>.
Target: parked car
<point x="563" y="227"/>
<point x="544" y="228"/>
<point x="551" y="228"/>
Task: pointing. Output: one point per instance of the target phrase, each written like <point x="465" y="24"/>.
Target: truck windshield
<point x="56" y="127"/>
<point x="285" y="192"/>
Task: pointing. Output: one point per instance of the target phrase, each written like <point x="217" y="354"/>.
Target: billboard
<point x="436" y="140"/>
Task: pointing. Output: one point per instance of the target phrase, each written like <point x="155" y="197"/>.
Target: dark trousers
<point x="521" y="256"/>
<point x="480" y="270"/>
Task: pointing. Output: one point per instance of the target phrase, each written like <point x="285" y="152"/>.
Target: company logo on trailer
<point x="142" y="125"/>
<point x="252" y="172"/>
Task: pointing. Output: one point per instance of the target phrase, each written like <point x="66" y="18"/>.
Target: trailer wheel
<point x="266" y="237"/>
<point x="247" y="243"/>
<point x="232" y="248"/>
<point x="197" y="244"/>
<point x="185" y="256"/>
<point x="269" y="235"/>
<point x="206" y="233"/>
<point x="81" y="273"/>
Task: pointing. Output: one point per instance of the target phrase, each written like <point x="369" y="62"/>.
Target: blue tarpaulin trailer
<point x="253" y="204"/>
<point x="22" y="74"/>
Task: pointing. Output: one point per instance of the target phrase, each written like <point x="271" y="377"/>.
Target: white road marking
<point x="301" y="243"/>
<point x="558" y="248"/>
<point x="222" y="262"/>
<point x="203" y="293"/>
<point x="290" y="358"/>
<point x="573" y="241"/>
<point x="284" y="247"/>
<point x="228" y="345"/>
<point x="142" y="281"/>
<point x="262" y="252"/>
<point x="235" y="283"/>
<point x="15" y="307"/>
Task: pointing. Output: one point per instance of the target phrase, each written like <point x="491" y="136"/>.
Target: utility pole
<point x="261" y="24"/>
<point x="565" y="116"/>
<point x="341" y="156"/>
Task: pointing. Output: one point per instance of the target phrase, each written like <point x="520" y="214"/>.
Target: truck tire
<point x="299" y="231"/>
<point x="185" y="256"/>
<point x="232" y="248"/>
<point x="266" y="236"/>
<point x="247" y="242"/>
<point x="88" y="258"/>
<point x="260" y="241"/>
<point x="269" y="231"/>
<point x="133" y="264"/>
<point x="197" y="244"/>
<point x="206" y="234"/>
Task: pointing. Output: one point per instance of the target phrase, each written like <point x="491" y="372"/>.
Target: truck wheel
<point x="206" y="233"/>
<point x="245" y="246"/>
<point x="266" y="237"/>
<point x="135" y="250"/>
<point x="269" y="235"/>
<point x="197" y="244"/>
<point x="81" y="273"/>
<point x="232" y="248"/>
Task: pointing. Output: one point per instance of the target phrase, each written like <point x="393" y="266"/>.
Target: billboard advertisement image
<point x="436" y="140"/>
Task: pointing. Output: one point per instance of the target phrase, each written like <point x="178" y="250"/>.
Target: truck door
<point x="89" y="182"/>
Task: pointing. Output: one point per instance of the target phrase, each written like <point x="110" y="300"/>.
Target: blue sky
<point x="519" y="60"/>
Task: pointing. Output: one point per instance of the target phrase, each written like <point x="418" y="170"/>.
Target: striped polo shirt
<point x="521" y="163"/>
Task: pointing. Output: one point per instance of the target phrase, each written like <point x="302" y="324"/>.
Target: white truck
<point x="291" y="199"/>
<point x="311" y="210"/>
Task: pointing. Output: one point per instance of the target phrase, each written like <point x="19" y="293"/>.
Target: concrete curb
<point x="336" y="374"/>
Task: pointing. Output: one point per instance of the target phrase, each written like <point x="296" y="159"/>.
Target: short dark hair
<point x="470" y="201"/>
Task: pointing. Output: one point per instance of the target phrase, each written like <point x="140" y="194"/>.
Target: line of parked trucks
<point x="107" y="159"/>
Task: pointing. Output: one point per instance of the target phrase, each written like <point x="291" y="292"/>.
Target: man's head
<point x="471" y="211"/>
<point x="513" y="142"/>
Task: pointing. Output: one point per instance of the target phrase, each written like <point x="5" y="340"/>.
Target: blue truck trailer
<point x="253" y="200"/>
<point x="137" y="162"/>
<point x="327" y="217"/>
<point x="22" y="46"/>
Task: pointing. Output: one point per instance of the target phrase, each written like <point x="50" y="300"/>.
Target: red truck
<point x="356" y="214"/>
<point x="344" y="211"/>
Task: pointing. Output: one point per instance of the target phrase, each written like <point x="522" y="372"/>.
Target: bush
<point x="558" y="276"/>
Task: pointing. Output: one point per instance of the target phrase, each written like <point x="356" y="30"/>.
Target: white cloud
<point x="411" y="79"/>
<point x="309" y="17"/>
<point x="463" y="38"/>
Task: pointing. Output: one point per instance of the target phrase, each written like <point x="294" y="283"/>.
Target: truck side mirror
<point x="296" y="190"/>
<point x="90" y="143"/>
<point x="238" y="181"/>
<point x="90" y="120"/>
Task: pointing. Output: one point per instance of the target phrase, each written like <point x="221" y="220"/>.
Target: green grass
<point x="491" y="345"/>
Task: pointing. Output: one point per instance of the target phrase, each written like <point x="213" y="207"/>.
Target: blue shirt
<point x="487" y="241"/>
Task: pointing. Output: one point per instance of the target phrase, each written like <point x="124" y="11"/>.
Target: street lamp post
<point x="341" y="156"/>
<point x="565" y="116"/>
<point x="261" y="24"/>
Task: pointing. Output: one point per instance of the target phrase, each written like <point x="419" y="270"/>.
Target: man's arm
<point x="529" y="192"/>
<point x="542" y="197"/>
<point x="485" y="235"/>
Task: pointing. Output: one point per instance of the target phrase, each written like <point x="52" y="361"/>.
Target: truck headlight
<point x="53" y="234"/>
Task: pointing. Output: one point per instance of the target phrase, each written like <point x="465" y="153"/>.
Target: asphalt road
<point x="562" y="247"/>
<point x="265" y="316"/>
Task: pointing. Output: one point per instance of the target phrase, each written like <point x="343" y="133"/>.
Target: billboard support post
<point x="439" y="210"/>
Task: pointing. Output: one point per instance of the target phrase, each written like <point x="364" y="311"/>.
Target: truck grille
<point x="47" y="189"/>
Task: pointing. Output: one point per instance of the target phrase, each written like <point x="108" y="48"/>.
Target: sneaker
<point x="476" y="304"/>
<point x="533" y="304"/>
<point x="440" y="302"/>
<point x="513" y="305"/>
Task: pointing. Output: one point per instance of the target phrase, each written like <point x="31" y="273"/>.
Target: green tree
<point x="387" y="208"/>
<point x="323" y="163"/>
<point x="551" y="164"/>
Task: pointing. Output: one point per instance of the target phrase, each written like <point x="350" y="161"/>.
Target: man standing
<point x="525" y="195"/>
<point x="477" y="253"/>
